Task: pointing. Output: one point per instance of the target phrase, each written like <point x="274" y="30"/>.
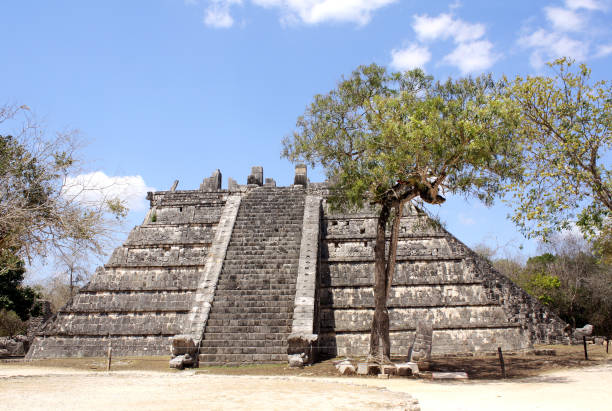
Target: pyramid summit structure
<point x="254" y="272"/>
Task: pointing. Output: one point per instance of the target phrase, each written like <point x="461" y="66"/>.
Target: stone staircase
<point x="251" y="314"/>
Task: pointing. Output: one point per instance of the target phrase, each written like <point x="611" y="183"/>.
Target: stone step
<point x="251" y="284"/>
<point x="252" y="312"/>
<point x="255" y="304"/>
<point x="247" y="316"/>
<point x="256" y="294"/>
<point x="261" y="273"/>
<point x="237" y="329"/>
<point x="207" y="345"/>
<point x="258" y="321"/>
<point x="224" y="350"/>
<point x="261" y="263"/>
<point x="256" y="312"/>
<point x="237" y="359"/>
<point x="246" y="338"/>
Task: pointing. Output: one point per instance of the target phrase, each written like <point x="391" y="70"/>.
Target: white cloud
<point x="319" y="11"/>
<point x="413" y="56"/>
<point x="604" y="50"/>
<point x="218" y="15"/>
<point x="563" y="19"/>
<point x="584" y="4"/>
<point x="446" y="26"/>
<point x="472" y="56"/>
<point x="548" y="45"/>
<point x="93" y="187"/>
<point x="472" y="53"/>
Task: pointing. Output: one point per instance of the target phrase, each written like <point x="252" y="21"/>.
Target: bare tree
<point x="42" y="209"/>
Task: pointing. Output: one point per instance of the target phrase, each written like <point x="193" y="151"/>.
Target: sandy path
<point x="576" y="389"/>
<point x="29" y="388"/>
<point x="53" y="388"/>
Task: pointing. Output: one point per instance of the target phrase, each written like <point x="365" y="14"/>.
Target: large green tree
<point x="566" y="133"/>
<point x="388" y="138"/>
<point x="14" y="296"/>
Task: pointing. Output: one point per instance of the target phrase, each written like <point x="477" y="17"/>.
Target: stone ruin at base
<point x="255" y="272"/>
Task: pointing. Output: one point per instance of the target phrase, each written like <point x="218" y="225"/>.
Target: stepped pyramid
<point x="255" y="271"/>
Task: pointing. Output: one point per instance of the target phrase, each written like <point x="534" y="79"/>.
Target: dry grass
<point x="477" y="367"/>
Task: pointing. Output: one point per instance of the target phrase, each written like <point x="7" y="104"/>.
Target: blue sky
<point x="174" y="89"/>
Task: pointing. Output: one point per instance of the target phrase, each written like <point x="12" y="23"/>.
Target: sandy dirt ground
<point x="38" y="388"/>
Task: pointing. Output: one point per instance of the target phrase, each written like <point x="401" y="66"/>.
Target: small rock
<point x="177" y="362"/>
<point x="338" y="364"/>
<point x="15" y="348"/>
<point x="407" y="369"/>
<point x="449" y="375"/>
<point x="389" y="369"/>
<point x="295" y="360"/>
<point x="365" y="368"/>
<point x="188" y="360"/>
<point x="585" y="331"/>
<point x="183" y="344"/>
<point x="346" y="369"/>
<point x="383" y="376"/>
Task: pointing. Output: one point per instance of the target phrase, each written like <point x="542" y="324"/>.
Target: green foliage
<point x="11" y="324"/>
<point x="13" y="295"/>
<point x="387" y="138"/>
<point x="566" y="133"/>
<point x="542" y="286"/>
<point x="541" y="261"/>
<point x="573" y="283"/>
<point x="390" y="136"/>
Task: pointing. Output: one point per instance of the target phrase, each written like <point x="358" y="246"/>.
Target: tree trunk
<point x="380" y="345"/>
<point x="393" y="246"/>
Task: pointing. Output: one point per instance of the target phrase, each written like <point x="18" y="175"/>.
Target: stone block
<point x="304" y="345"/>
<point x="365" y="368"/>
<point x="181" y="361"/>
<point x="295" y="360"/>
<point x="389" y="369"/>
<point x="407" y="369"/>
<point x="232" y="185"/>
<point x="301" y="177"/>
<point x="585" y="331"/>
<point x="346" y="369"/>
<point x="212" y="183"/>
<point x="183" y="344"/>
<point x="449" y="376"/>
<point x="256" y="176"/>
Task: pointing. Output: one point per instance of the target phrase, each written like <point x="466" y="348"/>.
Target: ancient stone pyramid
<point x="247" y="269"/>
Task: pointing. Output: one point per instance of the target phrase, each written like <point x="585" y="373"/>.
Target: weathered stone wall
<point x="438" y="280"/>
<point x="144" y="294"/>
<point x="178" y="274"/>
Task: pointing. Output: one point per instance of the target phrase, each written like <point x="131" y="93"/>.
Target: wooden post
<point x="110" y="354"/>
<point x="586" y="354"/>
<point x="501" y="362"/>
<point x="607" y="344"/>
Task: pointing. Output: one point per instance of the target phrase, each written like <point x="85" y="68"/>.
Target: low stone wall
<point x="445" y="342"/>
<point x="97" y="346"/>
